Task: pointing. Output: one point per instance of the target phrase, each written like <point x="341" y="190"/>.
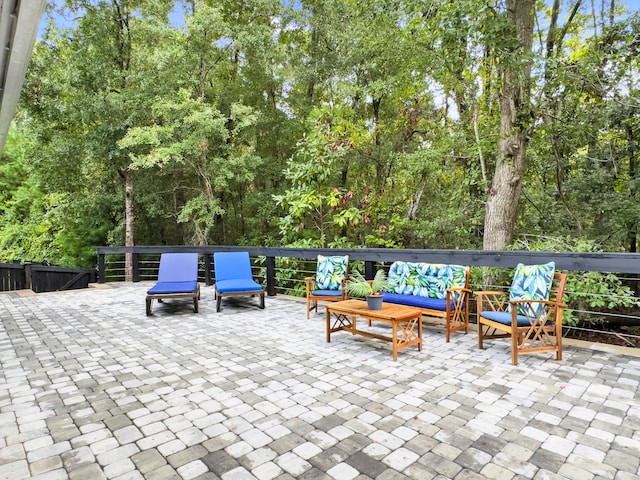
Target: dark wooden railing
<point x="619" y="263"/>
<point x="43" y="278"/>
<point x="12" y="277"/>
<point x="46" y="278"/>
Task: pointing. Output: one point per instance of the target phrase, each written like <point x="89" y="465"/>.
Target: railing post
<point x="207" y="269"/>
<point x="102" y="275"/>
<point x="271" y="276"/>
<point x="369" y="269"/>
<point x="28" y="279"/>
<point x="135" y="267"/>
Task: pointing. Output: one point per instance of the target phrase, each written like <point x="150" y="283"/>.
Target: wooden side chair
<point x="530" y="313"/>
<point x="329" y="283"/>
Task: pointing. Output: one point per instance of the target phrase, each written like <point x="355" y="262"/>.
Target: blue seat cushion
<point x="172" y="287"/>
<point x="326" y="293"/>
<point x="418" y="301"/>
<point x="505" y="318"/>
<point x="237" y="285"/>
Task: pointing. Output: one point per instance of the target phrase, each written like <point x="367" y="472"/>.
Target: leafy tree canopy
<point x="323" y="123"/>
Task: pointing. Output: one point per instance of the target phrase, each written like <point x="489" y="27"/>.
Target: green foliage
<point x="584" y="290"/>
<point x="314" y="200"/>
<point x="358" y="286"/>
<point x="41" y="227"/>
<point x="189" y="133"/>
<point x="334" y="123"/>
<point x="291" y="274"/>
<point x="600" y="291"/>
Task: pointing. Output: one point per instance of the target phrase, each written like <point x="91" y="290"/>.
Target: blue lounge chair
<point x="233" y="277"/>
<point x="177" y="278"/>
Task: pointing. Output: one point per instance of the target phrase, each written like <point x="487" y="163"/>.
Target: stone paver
<point x="92" y="388"/>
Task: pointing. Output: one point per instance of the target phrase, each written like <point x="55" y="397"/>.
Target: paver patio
<point x="92" y="388"/>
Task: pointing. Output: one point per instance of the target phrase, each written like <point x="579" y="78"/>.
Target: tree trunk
<point x="415" y="201"/>
<point x="505" y="188"/>
<point x="129" y="222"/>
<point x="632" y="229"/>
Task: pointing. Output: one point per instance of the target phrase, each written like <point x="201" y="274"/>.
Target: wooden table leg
<point x="328" y="318"/>
<point x="394" y="326"/>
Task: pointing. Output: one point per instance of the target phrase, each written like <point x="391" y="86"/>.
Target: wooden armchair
<point x="329" y="283"/>
<point x="534" y="325"/>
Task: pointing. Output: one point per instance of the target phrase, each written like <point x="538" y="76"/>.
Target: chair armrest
<point x="459" y="294"/>
<point x="490" y="292"/>
<point x="310" y="283"/>
<point x="345" y="294"/>
<point x="463" y="290"/>
<point x="488" y="300"/>
<point x="549" y="310"/>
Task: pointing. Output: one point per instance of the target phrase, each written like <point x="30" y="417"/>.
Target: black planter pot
<point x="374" y="302"/>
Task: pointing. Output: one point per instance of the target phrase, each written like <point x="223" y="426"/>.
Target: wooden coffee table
<point x="406" y="322"/>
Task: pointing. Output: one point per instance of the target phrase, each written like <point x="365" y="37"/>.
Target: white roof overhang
<point x="19" y="23"/>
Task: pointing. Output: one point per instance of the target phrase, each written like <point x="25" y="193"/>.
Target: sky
<point x="177" y="19"/>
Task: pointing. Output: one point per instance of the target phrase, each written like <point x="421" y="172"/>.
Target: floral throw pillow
<point x="331" y="271"/>
<point x="532" y="282"/>
<point x="425" y="279"/>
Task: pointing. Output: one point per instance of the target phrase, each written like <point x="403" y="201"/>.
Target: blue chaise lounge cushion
<point x="172" y="287"/>
<point x="178" y="273"/>
<point x="237" y="285"/>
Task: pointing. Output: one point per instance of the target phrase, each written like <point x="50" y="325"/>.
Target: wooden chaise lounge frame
<point x="195" y="295"/>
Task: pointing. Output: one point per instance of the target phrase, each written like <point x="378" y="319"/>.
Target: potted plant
<point x="358" y="286"/>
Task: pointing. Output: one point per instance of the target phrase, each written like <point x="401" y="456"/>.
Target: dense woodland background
<point x="375" y="123"/>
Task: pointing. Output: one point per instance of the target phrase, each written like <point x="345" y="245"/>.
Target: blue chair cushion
<point x="505" y="318"/>
<point x="237" y="285"/>
<point x="418" y="301"/>
<point x="172" y="287"/>
<point x="326" y="293"/>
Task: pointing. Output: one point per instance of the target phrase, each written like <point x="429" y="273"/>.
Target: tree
<point x="515" y="127"/>
<point x="316" y="209"/>
<point x="89" y="86"/>
<point x="203" y="134"/>
<point x="373" y="123"/>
